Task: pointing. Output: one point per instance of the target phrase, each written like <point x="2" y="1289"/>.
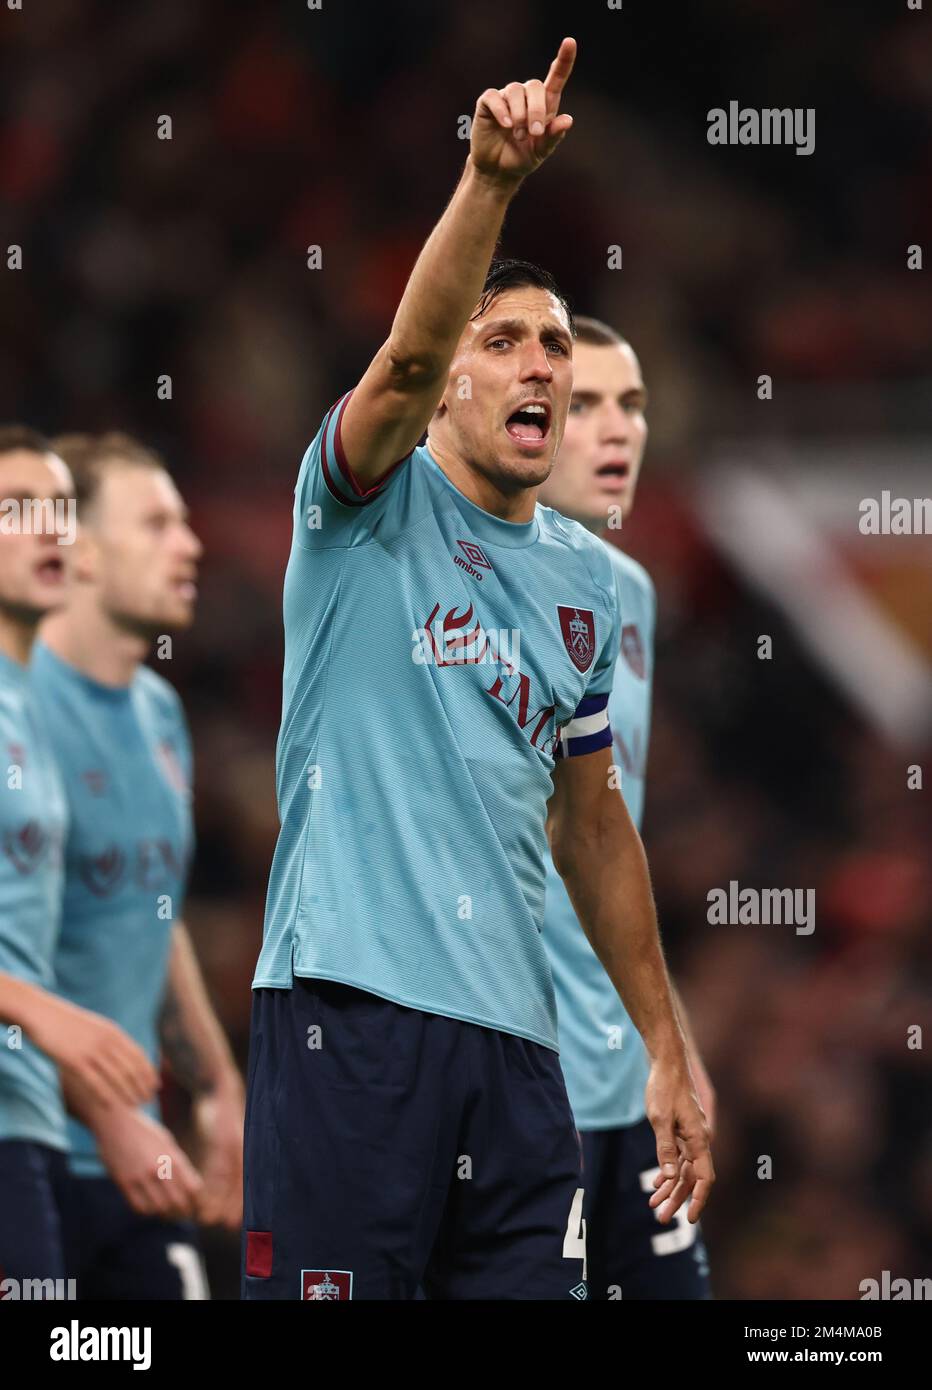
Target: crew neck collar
<point x="118" y="694"/>
<point x="494" y="530"/>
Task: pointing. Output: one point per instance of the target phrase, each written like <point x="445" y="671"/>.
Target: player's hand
<point x="682" y="1134"/>
<point x="148" y="1164"/>
<point x="218" y="1117"/>
<point x="95" y="1051"/>
<point x="515" y="128"/>
<point x="705" y="1091"/>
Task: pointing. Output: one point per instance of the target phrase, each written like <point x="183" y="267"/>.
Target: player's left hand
<point x="218" y="1117"/>
<point x="683" y="1152"/>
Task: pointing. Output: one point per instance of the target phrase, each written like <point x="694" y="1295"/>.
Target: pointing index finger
<point x="560" y="68"/>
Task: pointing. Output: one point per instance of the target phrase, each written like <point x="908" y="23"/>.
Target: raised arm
<point x="514" y="130"/>
<point x="599" y="855"/>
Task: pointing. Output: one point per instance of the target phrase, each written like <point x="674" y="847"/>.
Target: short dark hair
<point x="598" y="334"/>
<point x="89" y="456"/>
<point x="13" y="437"/>
<point x="510" y="274"/>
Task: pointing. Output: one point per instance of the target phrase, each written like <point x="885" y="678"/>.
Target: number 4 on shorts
<point x="574" y="1242"/>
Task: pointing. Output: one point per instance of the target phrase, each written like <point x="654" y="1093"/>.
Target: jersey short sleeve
<point x="332" y="508"/>
<point x="650" y="613"/>
<point x="178" y="725"/>
<point x="178" y="761"/>
<point x="589" y="729"/>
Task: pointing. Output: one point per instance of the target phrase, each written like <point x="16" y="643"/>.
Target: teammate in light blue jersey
<point x="604" y="1060"/>
<point x="125" y="754"/>
<point x="449" y="648"/>
<point x="38" y="1032"/>
<point x="121" y="740"/>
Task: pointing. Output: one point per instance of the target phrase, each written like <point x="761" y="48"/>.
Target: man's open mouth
<point x="615" y="469"/>
<point x="50" y="568"/>
<point x="530" y="424"/>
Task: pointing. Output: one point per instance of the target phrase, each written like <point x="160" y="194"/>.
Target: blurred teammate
<point x="131" y="1196"/>
<point x="445" y="640"/>
<point x="604" y="1060"/>
<point x="38" y="1030"/>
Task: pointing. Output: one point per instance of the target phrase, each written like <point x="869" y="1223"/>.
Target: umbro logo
<point x="475" y="560"/>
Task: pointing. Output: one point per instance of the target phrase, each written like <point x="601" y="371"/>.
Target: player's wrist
<point x="666" y="1049"/>
<point x="498" y="184"/>
<point x="107" y="1121"/>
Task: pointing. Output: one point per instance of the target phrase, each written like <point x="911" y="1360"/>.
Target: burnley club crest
<point x="578" y="628"/>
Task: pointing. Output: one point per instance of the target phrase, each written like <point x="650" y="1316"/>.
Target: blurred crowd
<point x="186" y="258"/>
<point x="759" y="774"/>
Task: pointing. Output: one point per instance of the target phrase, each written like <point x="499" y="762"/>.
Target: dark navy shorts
<point x="389" y="1150"/>
<point x="112" y="1252"/>
<point x="30" y="1233"/>
<point x="631" y="1255"/>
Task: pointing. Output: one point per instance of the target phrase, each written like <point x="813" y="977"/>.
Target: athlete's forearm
<point x="606" y="876"/>
<point x="391" y="407"/>
<point x="191" y="1035"/>
<point x="514" y="131"/>
<point x="704" y="1087"/>
<point x="81" y="1102"/>
<point x="449" y="274"/>
<point x="400" y="390"/>
<point x="19" y="1001"/>
<point x="685" y="1024"/>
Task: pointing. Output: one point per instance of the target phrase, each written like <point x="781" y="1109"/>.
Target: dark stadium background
<point x="338" y="127"/>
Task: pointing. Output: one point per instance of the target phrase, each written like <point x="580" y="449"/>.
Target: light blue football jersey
<point x="603" y="1058"/>
<point x="437" y="660"/>
<point x="125" y="757"/>
<point x="33" y="818"/>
